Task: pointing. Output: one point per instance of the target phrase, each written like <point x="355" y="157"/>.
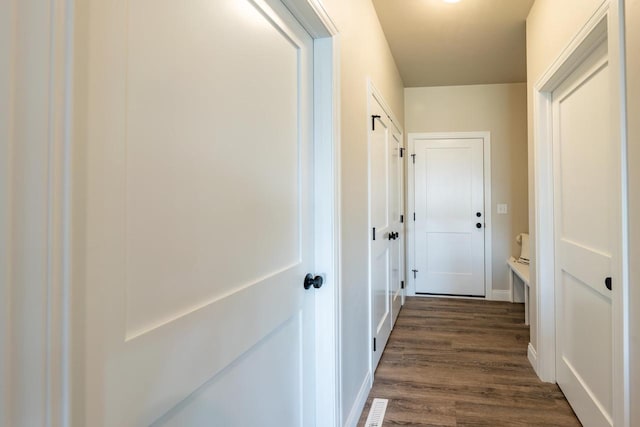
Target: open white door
<point x="586" y="213"/>
<point x="198" y="215"/>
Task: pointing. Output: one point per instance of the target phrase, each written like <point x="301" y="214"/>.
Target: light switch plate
<point x="502" y="208"/>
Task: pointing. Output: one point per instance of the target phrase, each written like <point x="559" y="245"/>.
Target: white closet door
<point x="198" y="215"/>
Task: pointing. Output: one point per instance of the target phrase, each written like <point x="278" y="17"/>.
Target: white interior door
<point x="585" y="238"/>
<point x="384" y="211"/>
<point x="198" y="215"/>
<point x="449" y="217"/>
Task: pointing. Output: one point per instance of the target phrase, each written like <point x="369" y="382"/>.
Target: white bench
<point x="522" y="271"/>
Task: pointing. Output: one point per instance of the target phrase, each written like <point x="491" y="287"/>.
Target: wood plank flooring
<point x="455" y="362"/>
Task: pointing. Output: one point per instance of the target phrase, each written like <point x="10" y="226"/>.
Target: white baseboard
<point x="358" y="405"/>
<point x="533" y="357"/>
<point x="500" y="295"/>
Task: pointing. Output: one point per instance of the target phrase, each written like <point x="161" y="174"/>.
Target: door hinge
<point x="414" y="273"/>
<point x="401" y="219"/>
<point x="413" y="158"/>
<point x="401" y="152"/>
<point x="373" y="121"/>
<point x="402" y="284"/>
<point x="414" y="216"/>
<point x="607" y="283"/>
<point x="374" y="344"/>
<point x="374" y="233"/>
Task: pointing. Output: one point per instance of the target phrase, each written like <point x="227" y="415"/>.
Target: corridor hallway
<point x="458" y="362"/>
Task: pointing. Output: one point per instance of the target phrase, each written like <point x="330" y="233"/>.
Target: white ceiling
<point x="471" y="42"/>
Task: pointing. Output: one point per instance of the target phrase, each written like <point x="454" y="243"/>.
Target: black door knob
<point x="478" y="214"/>
<point x="310" y="281"/>
<point x="478" y="225"/>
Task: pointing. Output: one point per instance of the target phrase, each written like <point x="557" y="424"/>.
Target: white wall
<point x="502" y="110"/>
<point x="633" y="105"/>
<point x="364" y="52"/>
<point x="25" y="136"/>
<point x="551" y="24"/>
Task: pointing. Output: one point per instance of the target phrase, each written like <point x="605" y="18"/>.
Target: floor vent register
<point x="376" y="413"/>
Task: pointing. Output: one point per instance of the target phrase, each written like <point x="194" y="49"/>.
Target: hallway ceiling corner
<point x="435" y="43"/>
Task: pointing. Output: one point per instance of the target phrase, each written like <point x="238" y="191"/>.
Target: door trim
<point x="410" y="196"/>
<point x="44" y="326"/>
<point x="607" y="22"/>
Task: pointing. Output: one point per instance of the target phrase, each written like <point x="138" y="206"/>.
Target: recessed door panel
<point x="201" y="188"/>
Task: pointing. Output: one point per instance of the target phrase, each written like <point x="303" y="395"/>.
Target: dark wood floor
<point x="455" y="362"/>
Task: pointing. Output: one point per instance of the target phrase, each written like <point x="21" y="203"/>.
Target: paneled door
<point x="585" y="213"/>
<point x="449" y="216"/>
<point x="385" y="210"/>
<point x="197" y="215"/>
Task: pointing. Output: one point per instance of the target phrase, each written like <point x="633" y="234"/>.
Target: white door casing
<point x="449" y="185"/>
<point x="397" y="214"/>
<point x="199" y="221"/>
<point x="585" y="237"/>
<point x="385" y="209"/>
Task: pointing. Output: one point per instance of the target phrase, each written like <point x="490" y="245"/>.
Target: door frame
<point x="607" y="22"/>
<point x="42" y="322"/>
<point x="411" y="202"/>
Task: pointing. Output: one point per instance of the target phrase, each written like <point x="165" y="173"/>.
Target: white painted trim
<point x="361" y="400"/>
<point x="605" y="23"/>
<point x="37" y="287"/>
<point x="488" y="212"/>
<point x="313" y="16"/>
<point x="338" y="212"/>
<point x="622" y="334"/>
<point x="411" y="224"/>
<point x="501" y="295"/>
<point x="327" y="230"/>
